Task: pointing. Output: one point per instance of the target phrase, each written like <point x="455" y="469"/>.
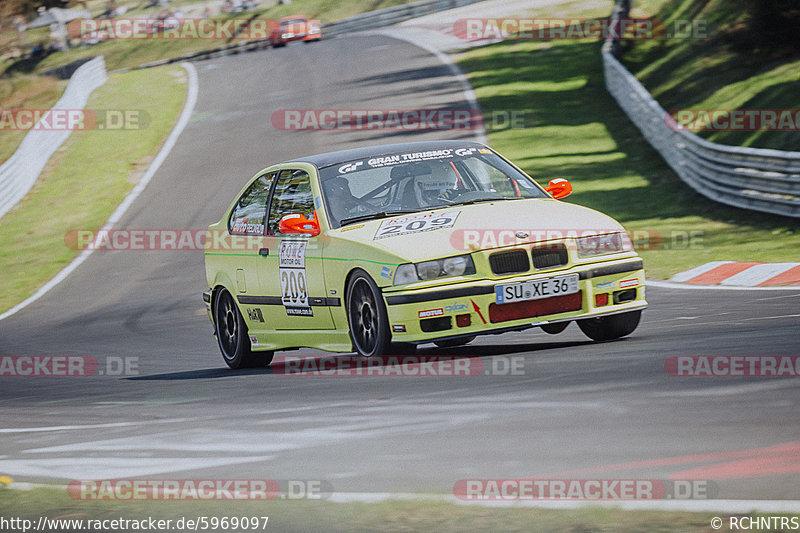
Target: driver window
<point x="292" y="195"/>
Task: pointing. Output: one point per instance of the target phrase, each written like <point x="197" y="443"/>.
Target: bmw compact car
<point x="383" y="248"/>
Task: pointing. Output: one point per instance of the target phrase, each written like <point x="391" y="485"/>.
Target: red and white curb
<point x="736" y="274"/>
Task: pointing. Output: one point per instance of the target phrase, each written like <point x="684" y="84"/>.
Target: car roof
<point x="342" y="156"/>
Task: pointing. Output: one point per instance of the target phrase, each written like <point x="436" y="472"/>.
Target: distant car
<point x="295" y="28"/>
<point x="359" y="250"/>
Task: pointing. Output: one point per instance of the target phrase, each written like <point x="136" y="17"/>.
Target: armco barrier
<point x="21" y="170"/>
<point x="750" y="178"/>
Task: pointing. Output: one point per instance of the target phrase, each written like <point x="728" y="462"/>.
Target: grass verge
<point x="390" y="516"/>
<point x="25" y="92"/>
<point x="727" y="63"/>
<point x="86" y="179"/>
<point x="573" y="128"/>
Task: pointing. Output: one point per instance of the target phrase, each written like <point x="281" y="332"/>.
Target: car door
<point x="246" y="228"/>
<point x="290" y="271"/>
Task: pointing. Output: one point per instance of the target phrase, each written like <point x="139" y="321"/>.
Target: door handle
<point x="263" y="251"/>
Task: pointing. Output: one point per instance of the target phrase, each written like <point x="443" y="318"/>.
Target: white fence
<point x="750" y="178"/>
<point x="21" y="170"/>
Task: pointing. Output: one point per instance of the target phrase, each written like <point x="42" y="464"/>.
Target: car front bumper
<point x="470" y="308"/>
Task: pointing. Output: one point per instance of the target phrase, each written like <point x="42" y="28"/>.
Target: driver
<point x="339" y="199"/>
<point x="432" y="188"/>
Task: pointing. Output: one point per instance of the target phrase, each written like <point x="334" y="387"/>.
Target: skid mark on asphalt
<point x="183" y="450"/>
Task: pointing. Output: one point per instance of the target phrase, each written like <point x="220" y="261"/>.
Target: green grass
<point x="573" y="128"/>
<point x="390" y="516"/>
<point x="86" y="179"/>
<point x="729" y="68"/>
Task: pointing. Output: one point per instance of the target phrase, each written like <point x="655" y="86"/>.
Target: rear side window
<point x="249" y="214"/>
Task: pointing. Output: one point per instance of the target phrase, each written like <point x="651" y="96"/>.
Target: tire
<point x="366" y="315"/>
<point x="232" y="337"/>
<point x="610" y="327"/>
<point x="554" y="329"/>
<point x="452" y="343"/>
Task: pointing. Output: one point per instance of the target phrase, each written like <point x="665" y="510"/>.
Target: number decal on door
<point x="292" y="272"/>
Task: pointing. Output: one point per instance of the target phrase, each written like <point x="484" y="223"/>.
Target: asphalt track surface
<point x="573" y="409"/>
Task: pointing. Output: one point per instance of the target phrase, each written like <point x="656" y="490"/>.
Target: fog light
<point x="600" y="300"/>
<point x="463" y="321"/>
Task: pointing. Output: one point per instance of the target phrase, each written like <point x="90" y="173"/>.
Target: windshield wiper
<point x="371" y="216"/>
<point x="496" y="199"/>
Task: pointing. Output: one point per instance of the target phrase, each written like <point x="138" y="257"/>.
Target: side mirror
<point x="297" y="224"/>
<point x="559" y="188"/>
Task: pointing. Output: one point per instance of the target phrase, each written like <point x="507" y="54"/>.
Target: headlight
<point x="405" y="274"/>
<point x="438" y="268"/>
<point x="610" y="243"/>
<point x="429" y="270"/>
<point x="456" y="266"/>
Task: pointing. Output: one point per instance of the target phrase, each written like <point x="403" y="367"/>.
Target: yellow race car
<point x="376" y="250"/>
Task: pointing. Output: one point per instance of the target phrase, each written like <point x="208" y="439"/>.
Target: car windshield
<point x="294" y="21"/>
<point x="418" y="181"/>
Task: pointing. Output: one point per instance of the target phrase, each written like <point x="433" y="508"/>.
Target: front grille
<point x="549" y="256"/>
<point x="509" y="262"/>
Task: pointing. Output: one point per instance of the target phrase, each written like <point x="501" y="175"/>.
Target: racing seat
<point x="339" y="199"/>
<point x="407" y="195"/>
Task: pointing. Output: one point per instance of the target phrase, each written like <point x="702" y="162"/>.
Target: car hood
<point x="480" y="227"/>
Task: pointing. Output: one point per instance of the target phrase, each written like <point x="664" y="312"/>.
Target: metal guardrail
<point x="22" y="169"/>
<point x="750" y="178"/>
<point x="390" y="15"/>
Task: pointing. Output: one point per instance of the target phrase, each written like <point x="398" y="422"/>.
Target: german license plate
<point x="536" y="289"/>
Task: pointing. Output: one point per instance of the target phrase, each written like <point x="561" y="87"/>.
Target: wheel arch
<point x="222" y="282"/>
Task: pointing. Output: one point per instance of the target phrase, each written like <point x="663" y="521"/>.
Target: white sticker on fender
<point x="415" y="223"/>
<point x="292" y="271"/>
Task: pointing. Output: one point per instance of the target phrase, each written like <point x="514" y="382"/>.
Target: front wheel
<point x="366" y="315"/>
<point x="612" y="327"/>
<point x="232" y="337"/>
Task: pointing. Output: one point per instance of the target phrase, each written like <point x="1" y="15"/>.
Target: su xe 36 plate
<point x="536" y="289"/>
